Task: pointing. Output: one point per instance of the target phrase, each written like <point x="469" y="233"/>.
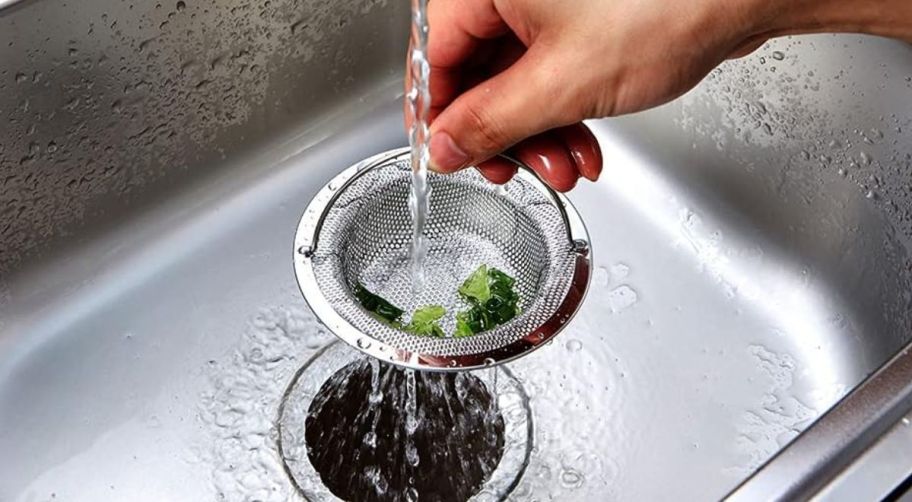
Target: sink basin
<point x="750" y="240"/>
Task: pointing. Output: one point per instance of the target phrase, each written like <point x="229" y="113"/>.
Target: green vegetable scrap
<point x="425" y="321"/>
<point x="488" y="291"/>
<point x="492" y="300"/>
<point x="380" y="308"/>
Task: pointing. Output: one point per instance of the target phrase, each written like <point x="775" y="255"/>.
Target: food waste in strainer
<point x="507" y="266"/>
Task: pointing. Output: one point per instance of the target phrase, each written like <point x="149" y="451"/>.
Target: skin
<point x="520" y="75"/>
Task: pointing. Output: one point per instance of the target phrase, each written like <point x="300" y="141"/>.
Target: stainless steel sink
<point x="752" y="242"/>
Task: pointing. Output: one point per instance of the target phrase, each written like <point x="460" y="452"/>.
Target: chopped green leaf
<point x="428" y="314"/>
<point x="500" y="305"/>
<point x="488" y="291"/>
<point x="475" y="289"/>
<point x="380" y="308"/>
<point x="462" y="327"/>
<point x="425" y="321"/>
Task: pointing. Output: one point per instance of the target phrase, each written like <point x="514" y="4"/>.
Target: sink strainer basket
<point x="358" y="230"/>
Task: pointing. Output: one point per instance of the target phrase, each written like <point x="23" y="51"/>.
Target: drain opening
<point x="340" y="439"/>
<point x="364" y="453"/>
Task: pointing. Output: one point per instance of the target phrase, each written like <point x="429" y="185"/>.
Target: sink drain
<point x="344" y="432"/>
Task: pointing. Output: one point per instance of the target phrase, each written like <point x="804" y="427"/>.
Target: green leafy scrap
<point x="380" y="308"/>
<point x="492" y="300"/>
<point x="488" y="291"/>
<point x="475" y="288"/>
<point x="426" y="321"/>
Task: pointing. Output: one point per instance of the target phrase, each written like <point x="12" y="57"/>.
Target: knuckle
<point x="489" y="135"/>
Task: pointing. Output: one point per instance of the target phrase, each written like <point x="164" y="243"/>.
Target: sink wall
<point x="107" y="105"/>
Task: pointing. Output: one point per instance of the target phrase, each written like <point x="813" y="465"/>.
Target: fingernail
<point x="446" y="156"/>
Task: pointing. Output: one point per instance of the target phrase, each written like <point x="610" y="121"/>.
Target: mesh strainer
<point x="358" y="230"/>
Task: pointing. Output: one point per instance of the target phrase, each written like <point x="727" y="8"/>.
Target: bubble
<point x="570" y="478"/>
<point x="619" y="271"/>
<point x="621" y="298"/>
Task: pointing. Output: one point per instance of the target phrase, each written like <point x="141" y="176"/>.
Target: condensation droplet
<point x="570" y="478"/>
<point x="621" y="298"/>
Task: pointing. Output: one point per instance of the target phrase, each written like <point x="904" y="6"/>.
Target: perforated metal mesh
<point x="366" y="238"/>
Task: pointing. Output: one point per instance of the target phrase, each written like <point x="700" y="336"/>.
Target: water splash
<point x="431" y="433"/>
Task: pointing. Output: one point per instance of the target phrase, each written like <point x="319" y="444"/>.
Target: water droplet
<point x="52" y="147"/>
<point x="364" y="343"/>
<point x="574" y="345"/>
<point x="620" y="271"/>
<point x="181" y="6"/>
<point x="571" y="478"/>
<point x="20" y="78"/>
<point x="621" y="298"/>
<point x="298" y="26"/>
<point x="489" y="361"/>
<point x="778" y="55"/>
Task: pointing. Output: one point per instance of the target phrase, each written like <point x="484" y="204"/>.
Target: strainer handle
<point x="360" y="171"/>
<point x="556" y="197"/>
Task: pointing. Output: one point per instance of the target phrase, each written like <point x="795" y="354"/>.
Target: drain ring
<point x="513" y="404"/>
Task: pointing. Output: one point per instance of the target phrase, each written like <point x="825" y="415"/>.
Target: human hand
<point x="522" y="74"/>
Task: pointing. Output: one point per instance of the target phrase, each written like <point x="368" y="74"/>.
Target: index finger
<point x="456" y="27"/>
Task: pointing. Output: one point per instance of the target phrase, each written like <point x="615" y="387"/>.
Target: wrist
<point x="890" y="18"/>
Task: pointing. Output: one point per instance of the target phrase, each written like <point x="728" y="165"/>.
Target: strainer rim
<point x="306" y="240"/>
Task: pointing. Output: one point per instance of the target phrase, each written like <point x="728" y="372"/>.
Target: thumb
<point x="525" y="99"/>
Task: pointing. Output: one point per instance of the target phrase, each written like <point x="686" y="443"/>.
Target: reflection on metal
<point x="152" y="173"/>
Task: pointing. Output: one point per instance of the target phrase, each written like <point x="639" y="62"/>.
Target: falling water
<point x="419" y="100"/>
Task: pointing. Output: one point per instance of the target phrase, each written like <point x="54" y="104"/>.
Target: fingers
<point x="549" y="158"/>
<point x="456" y="30"/>
<point x="497" y="170"/>
<point x="583" y="148"/>
<point x="559" y="157"/>
<point x="456" y="26"/>
<point x="496" y="114"/>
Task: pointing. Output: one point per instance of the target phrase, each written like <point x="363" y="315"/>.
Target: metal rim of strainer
<point x="306" y="241"/>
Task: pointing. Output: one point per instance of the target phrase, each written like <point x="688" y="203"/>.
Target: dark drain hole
<point x="459" y="439"/>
